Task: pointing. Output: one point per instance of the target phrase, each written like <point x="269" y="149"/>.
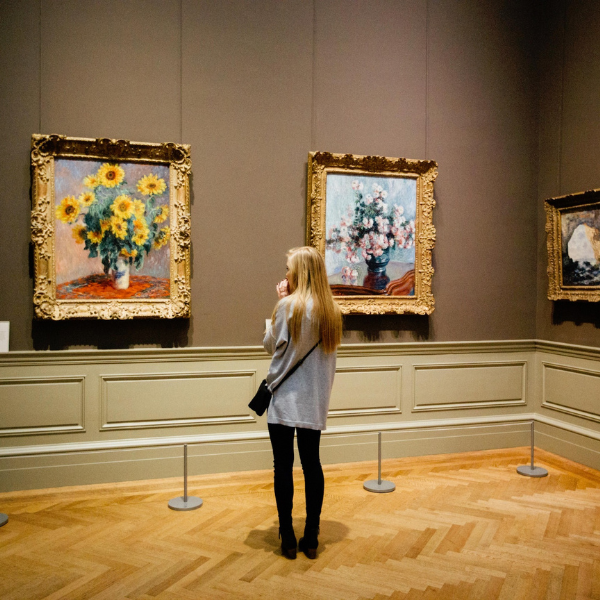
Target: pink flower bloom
<point x="355" y="184"/>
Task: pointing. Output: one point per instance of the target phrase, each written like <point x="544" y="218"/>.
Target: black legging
<point x="282" y="441"/>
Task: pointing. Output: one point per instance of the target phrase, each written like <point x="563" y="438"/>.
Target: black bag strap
<point x="291" y="371"/>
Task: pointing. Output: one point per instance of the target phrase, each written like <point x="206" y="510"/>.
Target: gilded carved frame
<point x="564" y="215"/>
<point x="175" y="160"/>
<point x="320" y="165"/>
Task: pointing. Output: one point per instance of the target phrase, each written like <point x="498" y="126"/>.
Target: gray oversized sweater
<point x="302" y="400"/>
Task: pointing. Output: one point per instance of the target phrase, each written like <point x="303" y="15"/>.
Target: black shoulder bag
<point x="262" y="398"/>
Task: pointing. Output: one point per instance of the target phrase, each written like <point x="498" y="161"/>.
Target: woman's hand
<point x="283" y="289"/>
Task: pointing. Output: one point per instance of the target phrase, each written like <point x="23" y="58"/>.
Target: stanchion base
<point x="379" y="488"/>
<point x="193" y="502"/>
<point x="529" y="471"/>
<point x="3" y="519"/>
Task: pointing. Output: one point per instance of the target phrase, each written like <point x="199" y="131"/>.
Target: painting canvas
<point x="573" y="226"/>
<point x="370" y="224"/>
<point x="371" y="217"/>
<point x="110" y="228"/>
<point x="580" y="235"/>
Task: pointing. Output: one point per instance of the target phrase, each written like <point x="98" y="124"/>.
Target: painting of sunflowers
<point x="112" y="229"/>
<point x="112" y="219"/>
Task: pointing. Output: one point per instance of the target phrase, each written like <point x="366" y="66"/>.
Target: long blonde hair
<point x="307" y="278"/>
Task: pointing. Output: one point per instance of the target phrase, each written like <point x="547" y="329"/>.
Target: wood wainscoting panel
<point x="366" y="390"/>
<point x="37" y="405"/>
<point x="140" y="401"/>
<point x="469" y="385"/>
<point x="571" y="390"/>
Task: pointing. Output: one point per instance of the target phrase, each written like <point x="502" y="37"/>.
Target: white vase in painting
<point x="120" y="275"/>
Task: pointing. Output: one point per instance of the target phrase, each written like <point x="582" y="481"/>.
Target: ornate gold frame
<point x="44" y="150"/>
<point x="425" y="172"/>
<point x="554" y="207"/>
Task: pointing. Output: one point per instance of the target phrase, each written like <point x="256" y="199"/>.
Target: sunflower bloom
<point x="104" y="225"/>
<point x="151" y="185"/>
<point x="129" y="254"/>
<point x="162" y="237"/>
<point x="110" y="175"/>
<point x="139" y="225"/>
<point x="87" y="198"/>
<point x="118" y="227"/>
<point x="139" y="208"/>
<point x="140" y="237"/>
<point x="79" y="234"/>
<point x="95" y="236"/>
<point x="91" y="181"/>
<point x="68" y="209"/>
<point x="161" y="217"/>
<point x="122" y="207"/>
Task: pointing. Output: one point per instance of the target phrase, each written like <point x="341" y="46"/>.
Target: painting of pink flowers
<point x="370" y="234"/>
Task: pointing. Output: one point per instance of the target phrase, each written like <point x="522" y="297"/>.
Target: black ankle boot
<point x="310" y="542"/>
<point x="288" y="542"/>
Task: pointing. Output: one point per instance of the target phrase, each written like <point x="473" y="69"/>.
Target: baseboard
<point x="128" y="460"/>
<point x="573" y="442"/>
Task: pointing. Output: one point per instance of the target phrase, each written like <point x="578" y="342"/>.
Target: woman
<point x="305" y="320"/>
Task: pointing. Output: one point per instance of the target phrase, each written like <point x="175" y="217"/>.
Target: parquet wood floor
<point x="463" y="526"/>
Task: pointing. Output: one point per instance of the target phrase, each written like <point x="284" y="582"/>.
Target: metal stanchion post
<point x="379" y="486"/>
<point x="185" y="502"/>
<point x="531" y="470"/>
<point x="3" y="519"/>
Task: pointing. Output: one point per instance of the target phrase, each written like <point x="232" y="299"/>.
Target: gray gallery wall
<point x="253" y="86"/>
<point x="569" y="146"/>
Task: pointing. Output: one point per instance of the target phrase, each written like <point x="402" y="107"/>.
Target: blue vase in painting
<point x="376" y="278"/>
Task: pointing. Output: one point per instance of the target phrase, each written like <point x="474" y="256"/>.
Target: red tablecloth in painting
<point x="99" y="287"/>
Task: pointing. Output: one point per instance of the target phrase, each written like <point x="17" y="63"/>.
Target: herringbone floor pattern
<point x="463" y="526"/>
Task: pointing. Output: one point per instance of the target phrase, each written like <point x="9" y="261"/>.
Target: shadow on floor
<point x="332" y="532"/>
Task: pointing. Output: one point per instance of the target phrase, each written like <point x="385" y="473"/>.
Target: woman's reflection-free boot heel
<point x="288" y="542"/>
<point x="310" y="542"/>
